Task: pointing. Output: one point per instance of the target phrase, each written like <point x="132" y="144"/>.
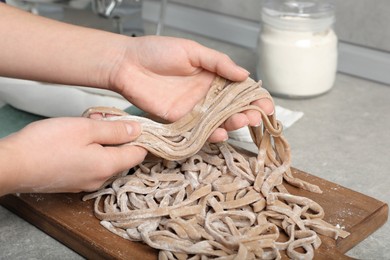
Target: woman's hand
<point x="167" y="77"/>
<point x="67" y="155"/>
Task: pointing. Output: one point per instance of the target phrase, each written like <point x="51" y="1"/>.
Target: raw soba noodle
<point x="195" y="200"/>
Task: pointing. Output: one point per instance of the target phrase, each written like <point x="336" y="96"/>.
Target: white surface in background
<point x="51" y="100"/>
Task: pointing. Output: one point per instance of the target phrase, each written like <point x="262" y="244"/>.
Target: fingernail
<point x="259" y="123"/>
<point x="133" y="129"/>
<point x="225" y="136"/>
<point x="129" y="129"/>
<point x="244" y="70"/>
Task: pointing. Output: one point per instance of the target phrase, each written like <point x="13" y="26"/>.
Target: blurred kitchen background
<point x="361" y="25"/>
<point x="343" y="136"/>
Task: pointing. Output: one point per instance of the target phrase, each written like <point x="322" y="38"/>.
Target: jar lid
<point x="304" y="15"/>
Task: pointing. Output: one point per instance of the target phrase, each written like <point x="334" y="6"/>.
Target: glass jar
<point x="297" y="48"/>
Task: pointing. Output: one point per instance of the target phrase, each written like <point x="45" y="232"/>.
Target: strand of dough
<point x="186" y="136"/>
<point x="195" y="200"/>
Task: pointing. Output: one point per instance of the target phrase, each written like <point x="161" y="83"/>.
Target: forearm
<point x="36" y="48"/>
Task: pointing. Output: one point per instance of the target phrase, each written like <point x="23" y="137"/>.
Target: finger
<point x="114" y="132"/>
<point x="236" y="121"/>
<point x="219" y="135"/>
<point x="217" y="62"/>
<point x="266" y="105"/>
<point x="126" y="156"/>
<point x="254" y="117"/>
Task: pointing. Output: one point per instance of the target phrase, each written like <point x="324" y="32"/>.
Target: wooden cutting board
<point x="71" y="221"/>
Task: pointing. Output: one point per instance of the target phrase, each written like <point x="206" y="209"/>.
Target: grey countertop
<point x="343" y="137"/>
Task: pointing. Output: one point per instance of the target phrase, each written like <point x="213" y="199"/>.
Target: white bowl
<point x="52" y="100"/>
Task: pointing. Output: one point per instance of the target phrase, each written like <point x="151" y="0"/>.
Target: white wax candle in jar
<point x="297" y="48"/>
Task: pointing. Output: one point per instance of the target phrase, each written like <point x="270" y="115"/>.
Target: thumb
<point x="114" y="132"/>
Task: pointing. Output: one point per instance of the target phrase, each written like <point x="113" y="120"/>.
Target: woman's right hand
<point x="67" y="155"/>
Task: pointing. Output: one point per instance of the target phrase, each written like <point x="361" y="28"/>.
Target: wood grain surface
<point x="71" y="221"/>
